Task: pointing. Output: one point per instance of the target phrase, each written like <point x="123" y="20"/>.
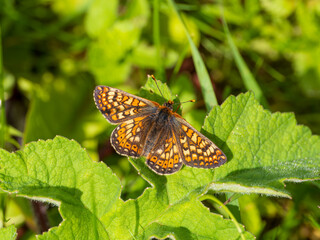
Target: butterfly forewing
<point x="118" y="106"/>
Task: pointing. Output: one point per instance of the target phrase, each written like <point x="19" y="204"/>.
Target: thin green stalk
<point x="248" y="79"/>
<point x="2" y="107"/>
<point x="156" y="39"/>
<point x="234" y="220"/>
<point x="177" y="67"/>
<point x="233" y="203"/>
<point x="204" y="79"/>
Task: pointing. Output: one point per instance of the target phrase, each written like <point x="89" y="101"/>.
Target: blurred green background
<point x="54" y="52"/>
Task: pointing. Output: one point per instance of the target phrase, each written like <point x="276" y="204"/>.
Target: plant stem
<point x="2" y="107"/>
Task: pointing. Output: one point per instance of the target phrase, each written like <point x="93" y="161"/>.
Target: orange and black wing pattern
<point x="129" y="137"/>
<point x="196" y="149"/>
<point x="164" y="157"/>
<point x="118" y="106"/>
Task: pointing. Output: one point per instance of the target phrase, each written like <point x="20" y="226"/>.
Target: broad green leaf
<point x="263" y="149"/>
<point x="151" y="91"/>
<point x="151" y="215"/>
<point x="8" y="233"/>
<point x="60" y="172"/>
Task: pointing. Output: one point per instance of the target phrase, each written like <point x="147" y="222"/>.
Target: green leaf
<point x="8" y="233"/>
<point x="60" y="172"/>
<point x="88" y="195"/>
<point x="263" y="149"/>
<point x="152" y="215"/>
<point x="151" y="91"/>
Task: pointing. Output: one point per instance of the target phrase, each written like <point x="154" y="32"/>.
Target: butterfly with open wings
<point x="155" y="131"/>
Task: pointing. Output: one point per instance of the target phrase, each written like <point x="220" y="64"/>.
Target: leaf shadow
<point x="61" y="194"/>
<point x="165" y="231"/>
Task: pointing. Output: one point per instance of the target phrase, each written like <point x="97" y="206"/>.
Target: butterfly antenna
<point x="156" y="84"/>
<point x="183" y="102"/>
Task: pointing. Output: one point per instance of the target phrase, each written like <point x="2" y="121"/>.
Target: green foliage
<point x="58" y="171"/>
<point x="114" y="38"/>
<point x="55" y="52"/>
<point x="48" y="105"/>
<point x="8" y="233"/>
<point x="266" y="149"/>
<point x="206" y="86"/>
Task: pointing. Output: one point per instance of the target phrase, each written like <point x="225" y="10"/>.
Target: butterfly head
<point x="169" y="104"/>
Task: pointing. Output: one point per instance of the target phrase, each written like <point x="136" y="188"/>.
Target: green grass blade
<point x="2" y="109"/>
<point x="205" y="82"/>
<point x="156" y="39"/>
<point x="249" y="81"/>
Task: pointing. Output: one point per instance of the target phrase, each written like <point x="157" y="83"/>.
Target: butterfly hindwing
<point x="164" y="157"/>
<point x="118" y="106"/>
<point x="197" y="150"/>
<point x="129" y="137"/>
